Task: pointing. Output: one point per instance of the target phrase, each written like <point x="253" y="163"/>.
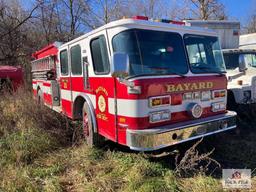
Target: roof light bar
<point x="170" y="21"/>
<point x="177" y="22"/>
<point x="139" y="17"/>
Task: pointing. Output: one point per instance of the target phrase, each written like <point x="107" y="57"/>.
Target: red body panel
<point x="157" y="87"/>
<point x="65" y="85"/>
<point x="101" y="88"/>
<point x="104" y="88"/>
<point x="45" y="52"/>
<point x="47" y="96"/>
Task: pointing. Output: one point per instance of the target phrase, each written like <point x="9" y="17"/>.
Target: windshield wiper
<point x="169" y="70"/>
<point x="152" y="74"/>
<point x="177" y="73"/>
<point x="207" y="69"/>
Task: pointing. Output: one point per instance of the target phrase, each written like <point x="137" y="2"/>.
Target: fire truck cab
<point x="139" y="83"/>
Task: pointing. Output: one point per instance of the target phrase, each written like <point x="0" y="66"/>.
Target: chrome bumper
<point x="157" y="138"/>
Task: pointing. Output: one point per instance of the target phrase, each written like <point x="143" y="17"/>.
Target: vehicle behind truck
<point x="239" y="61"/>
<point x="247" y="41"/>
<point x="136" y="82"/>
<point x="228" y="31"/>
<point x="241" y="68"/>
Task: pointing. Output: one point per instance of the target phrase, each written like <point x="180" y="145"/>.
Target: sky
<point x="239" y="9"/>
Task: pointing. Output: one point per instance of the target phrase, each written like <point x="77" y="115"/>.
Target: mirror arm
<point x="126" y="82"/>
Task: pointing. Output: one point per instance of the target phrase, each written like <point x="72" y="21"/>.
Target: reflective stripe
<point x="137" y="108"/>
<point x="140" y="108"/>
<point x="34" y="86"/>
<point x="66" y="95"/>
<point x="46" y="89"/>
<point x="91" y="96"/>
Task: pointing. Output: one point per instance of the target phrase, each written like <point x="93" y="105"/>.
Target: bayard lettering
<point x="188" y="87"/>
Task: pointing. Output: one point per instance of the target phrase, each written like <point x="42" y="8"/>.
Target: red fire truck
<point x="140" y="83"/>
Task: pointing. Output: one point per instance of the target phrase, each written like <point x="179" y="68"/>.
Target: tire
<point x="231" y="102"/>
<point x="92" y="139"/>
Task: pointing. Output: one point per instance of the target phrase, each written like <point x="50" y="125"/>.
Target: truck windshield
<point x="232" y="59"/>
<point x="204" y="54"/>
<point x="250" y="60"/>
<point x="152" y="52"/>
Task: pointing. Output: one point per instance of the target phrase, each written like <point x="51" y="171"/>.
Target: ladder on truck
<point x="44" y="68"/>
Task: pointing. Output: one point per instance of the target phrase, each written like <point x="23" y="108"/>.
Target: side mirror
<point x="242" y="63"/>
<point x="120" y="65"/>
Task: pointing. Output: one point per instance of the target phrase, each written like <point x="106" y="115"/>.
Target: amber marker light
<point x="240" y="82"/>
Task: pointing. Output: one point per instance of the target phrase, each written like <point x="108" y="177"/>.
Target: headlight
<point x="187" y="96"/>
<point x="196" y="95"/>
<point x="219" y="94"/>
<point x="205" y="95"/>
<point x="159" y="101"/>
<point x="220" y="106"/>
<point x="159" y="116"/>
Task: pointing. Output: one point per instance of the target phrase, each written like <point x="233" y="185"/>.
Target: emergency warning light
<point x="139" y="17"/>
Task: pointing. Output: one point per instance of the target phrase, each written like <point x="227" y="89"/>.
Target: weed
<point x="193" y="162"/>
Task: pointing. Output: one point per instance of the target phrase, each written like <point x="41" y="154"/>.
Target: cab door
<point x="65" y="82"/>
<point x="102" y="84"/>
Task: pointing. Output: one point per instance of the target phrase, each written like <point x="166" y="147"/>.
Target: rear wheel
<point x="92" y="138"/>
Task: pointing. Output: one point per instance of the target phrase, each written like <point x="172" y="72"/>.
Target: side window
<point x="254" y="60"/>
<point x="76" y="63"/>
<point x="250" y="59"/>
<point x="64" y="62"/>
<point x="100" y="55"/>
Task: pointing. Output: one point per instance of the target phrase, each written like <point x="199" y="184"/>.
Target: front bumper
<point x="153" y="139"/>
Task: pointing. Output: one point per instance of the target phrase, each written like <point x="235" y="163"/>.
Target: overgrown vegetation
<point x="193" y="162"/>
<point x="37" y="155"/>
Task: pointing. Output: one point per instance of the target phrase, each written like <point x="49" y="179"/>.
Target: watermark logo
<point x="236" y="178"/>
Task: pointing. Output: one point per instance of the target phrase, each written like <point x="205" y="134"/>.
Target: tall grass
<point x="36" y="154"/>
<point x="27" y="132"/>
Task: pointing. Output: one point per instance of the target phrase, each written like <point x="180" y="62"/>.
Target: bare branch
<point x="21" y="22"/>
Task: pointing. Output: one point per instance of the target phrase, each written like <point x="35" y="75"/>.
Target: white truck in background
<point x="240" y="63"/>
<point x="247" y="41"/>
<point x="241" y="72"/>
<point x="228" y="31"/>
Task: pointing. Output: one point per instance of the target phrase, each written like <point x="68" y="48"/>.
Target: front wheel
<point x="92" y="138"/>
<point x="231" y="102"/>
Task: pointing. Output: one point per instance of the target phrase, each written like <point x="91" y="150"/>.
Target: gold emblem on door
<point x="102" y="104"/>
